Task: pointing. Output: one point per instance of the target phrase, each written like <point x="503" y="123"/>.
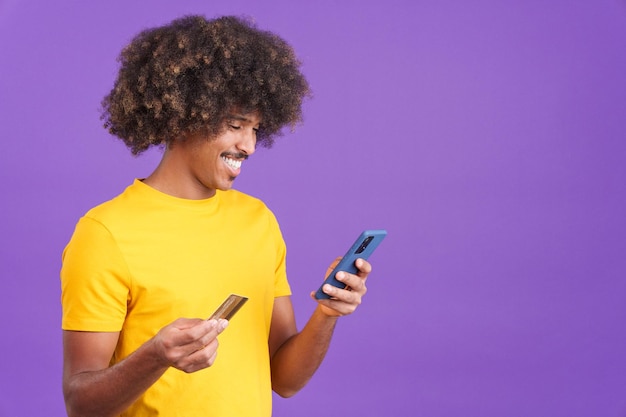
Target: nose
<point x="247" y="144"/>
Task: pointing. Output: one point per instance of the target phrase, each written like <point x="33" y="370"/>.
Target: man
<point x="143" y="271"/>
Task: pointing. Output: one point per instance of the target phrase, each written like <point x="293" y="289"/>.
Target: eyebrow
<point x="239" y="117"/>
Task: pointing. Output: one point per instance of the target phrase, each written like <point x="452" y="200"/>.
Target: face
<point x="208" y="164"/>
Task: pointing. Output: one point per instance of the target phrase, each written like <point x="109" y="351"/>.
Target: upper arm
<point x="283" y="325"/>
<point x="86" y="351"/>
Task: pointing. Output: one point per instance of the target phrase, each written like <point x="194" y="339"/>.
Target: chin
<point x="227" y="186"/>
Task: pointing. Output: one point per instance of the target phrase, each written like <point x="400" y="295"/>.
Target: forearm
<point x="110" y="391"/>
<point x="300" y="356"/>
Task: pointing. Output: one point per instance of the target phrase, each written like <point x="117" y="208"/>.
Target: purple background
<point x="486" y="136"/>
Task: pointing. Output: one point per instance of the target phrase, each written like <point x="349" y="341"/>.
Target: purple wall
<point x="486" y="136"/>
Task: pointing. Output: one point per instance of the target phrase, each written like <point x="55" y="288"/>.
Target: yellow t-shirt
<point x="142" y="260"/>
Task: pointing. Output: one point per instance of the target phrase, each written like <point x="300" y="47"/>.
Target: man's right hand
<point x="189" y="344"/>
<point x="92" y="387"/>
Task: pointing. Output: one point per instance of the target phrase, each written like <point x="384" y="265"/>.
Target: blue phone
<point x="362" y="248"/>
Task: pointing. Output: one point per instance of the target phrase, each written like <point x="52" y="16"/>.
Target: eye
<point x="234" y="127"/>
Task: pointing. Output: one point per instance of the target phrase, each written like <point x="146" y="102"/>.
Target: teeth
<point x="232" y="163"/>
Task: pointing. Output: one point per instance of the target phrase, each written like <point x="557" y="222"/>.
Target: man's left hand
<point x="345" y="301"/>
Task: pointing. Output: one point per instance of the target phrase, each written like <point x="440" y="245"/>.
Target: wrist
<point x="154" y="353"/>
<point x="328" y="312"/>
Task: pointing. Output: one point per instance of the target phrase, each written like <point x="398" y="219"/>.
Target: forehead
<point x="252" y="117"/>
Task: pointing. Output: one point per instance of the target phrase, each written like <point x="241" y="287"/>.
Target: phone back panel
<point x="363" y="247"/>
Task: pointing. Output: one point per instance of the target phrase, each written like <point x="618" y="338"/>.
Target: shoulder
<point x="122" y="203"/>
<point x="240" y="199"/>
<point x="242" y="205"/>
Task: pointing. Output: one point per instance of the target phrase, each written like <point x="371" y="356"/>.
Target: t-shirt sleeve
<point x="95" y="283"/>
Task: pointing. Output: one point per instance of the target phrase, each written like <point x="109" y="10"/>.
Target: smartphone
<point x="362" y="248"/>
<point x="229" y="307"/>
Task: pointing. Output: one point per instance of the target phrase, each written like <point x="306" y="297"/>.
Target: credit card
<point x="229" y="307"/>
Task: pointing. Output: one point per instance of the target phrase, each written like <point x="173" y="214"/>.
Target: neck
<point x="172" y="177"/>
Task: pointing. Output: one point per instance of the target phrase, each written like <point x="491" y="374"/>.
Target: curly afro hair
<point x="189" y="75"/>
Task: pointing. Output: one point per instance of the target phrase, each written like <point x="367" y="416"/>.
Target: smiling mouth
<point x="233" y="163"/>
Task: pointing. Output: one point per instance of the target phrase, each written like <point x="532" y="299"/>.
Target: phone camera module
<point x="365" y="244"/>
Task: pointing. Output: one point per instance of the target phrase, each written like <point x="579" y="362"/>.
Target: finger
<point x="364" y="267"/>
<point x="337" y="307"/>
<point x="344" y="295"/>
<point x="185" y="341"/>
<point x="353" y="282"/>
<point x="200" y="359"/>
<point x="185" y="323"/>
<point x="201" y="334"/>
<point x="210" y="336"/>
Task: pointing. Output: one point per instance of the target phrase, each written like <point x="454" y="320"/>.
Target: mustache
<point x="235" y="155"/>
